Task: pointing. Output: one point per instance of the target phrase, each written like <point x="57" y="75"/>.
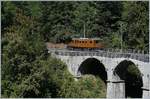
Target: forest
<point x="28" y="70"/>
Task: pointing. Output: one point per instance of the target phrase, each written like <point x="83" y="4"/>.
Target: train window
<point x="82" y="41"/>
<point x="85" y="41"/>
<point x="90" y="41"/>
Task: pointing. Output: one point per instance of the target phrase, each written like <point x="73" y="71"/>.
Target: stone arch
<point x="93" y="66"/>
<point x="131" y="74"/>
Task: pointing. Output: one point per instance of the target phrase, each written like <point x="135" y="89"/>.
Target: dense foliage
<point x="88" y="86"/>
<point x="29" y="71"/>
<point x="112" y="22"/>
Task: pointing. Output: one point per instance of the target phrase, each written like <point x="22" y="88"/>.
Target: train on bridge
<point x="79" y="43"/>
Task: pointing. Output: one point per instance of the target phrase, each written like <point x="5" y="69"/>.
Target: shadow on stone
<point x="93" y="66"/>
<point x="130" y="73"/>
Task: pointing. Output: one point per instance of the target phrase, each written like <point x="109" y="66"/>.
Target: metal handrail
<point x="102" y="53"/>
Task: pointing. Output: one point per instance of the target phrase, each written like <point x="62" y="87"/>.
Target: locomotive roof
<point x="85" y="39"/>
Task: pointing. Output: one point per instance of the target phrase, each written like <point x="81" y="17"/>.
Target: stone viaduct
<point x="109" y="60"/>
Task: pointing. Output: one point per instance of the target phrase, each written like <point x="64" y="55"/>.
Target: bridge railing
<point x="127" y="51"/>
<point x="114" y="50"/>
<point x="106" y="50"/>
<point x="103" y="53"/>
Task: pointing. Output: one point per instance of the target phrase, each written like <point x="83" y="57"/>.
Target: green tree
<point x="56" y="20"/>
<point x="84" y="16"/>
<point x="135" y="15"/>
<point x="8" y="12"/>
<point x="27" y="71"/>
<point x="87" y="87"/>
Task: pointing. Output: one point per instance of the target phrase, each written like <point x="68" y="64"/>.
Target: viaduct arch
<point x="93" y="66"/>
<point x="115" y="84"/>
<point x="129" y="72"/>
